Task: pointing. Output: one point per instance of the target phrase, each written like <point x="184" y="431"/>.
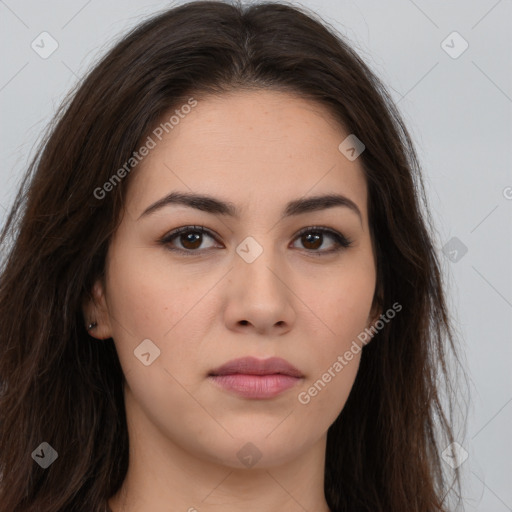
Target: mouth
<point x="254" y="378"/>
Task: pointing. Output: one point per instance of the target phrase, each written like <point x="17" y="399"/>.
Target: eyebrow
<point x="216" y="206"/>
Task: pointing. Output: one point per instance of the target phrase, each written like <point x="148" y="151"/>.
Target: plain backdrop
<point x="456" y="102"/>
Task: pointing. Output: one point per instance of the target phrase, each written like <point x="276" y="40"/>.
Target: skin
<point x="259" y="150"/>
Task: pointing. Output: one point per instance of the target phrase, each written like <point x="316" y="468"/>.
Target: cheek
<point x="325" y="395"/>
<point x="344" y="304"/>
<point x="148" y="294"/>
<point x="345" y="308"/>
<point x="346" y="311"/>
<point x="349" y="312"/>
<point x="355" y="295"/>
<point x="146" y="303"/>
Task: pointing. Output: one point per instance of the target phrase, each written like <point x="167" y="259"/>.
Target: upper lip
<point x="254" y="366"/>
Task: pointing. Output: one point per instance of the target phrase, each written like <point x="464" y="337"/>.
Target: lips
<point x="251" y="378"/>
<point x="253" y="366"/>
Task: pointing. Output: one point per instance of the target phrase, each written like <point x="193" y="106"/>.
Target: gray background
<point x="458" y="111"/>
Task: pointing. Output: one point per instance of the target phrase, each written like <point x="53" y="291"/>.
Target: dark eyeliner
<point x="169" y="237"/>
<point x="341" y="241"/>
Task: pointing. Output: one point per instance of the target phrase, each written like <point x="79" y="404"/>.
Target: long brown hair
<point x="63" y="387"/>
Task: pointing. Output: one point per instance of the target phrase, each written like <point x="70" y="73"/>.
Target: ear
<point x="375" y="313"/>
<point x="376" y="309"/>
<point x="95" y="310"/>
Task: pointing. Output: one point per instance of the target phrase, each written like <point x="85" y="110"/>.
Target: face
<point x="270" y="281"/>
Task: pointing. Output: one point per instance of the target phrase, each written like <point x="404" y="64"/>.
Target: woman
<point x="223" y="292"/>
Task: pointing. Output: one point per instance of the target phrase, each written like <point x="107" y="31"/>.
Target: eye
<point x="313" y="237"/>
<point x="190" y="237"/>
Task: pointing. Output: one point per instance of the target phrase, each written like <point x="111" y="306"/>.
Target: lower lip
<point x="255" y="386"/>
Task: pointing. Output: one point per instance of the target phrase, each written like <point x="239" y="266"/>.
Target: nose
<point x="259" y="296"/>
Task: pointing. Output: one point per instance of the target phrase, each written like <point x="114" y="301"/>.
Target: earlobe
<point x="376" y="311"/>
<point x="95" y="311"/>
<point x="375" y="314"/>
<point x="377" y="305"/>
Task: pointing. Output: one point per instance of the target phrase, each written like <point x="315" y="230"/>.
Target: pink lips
<point x="256" y="378"/>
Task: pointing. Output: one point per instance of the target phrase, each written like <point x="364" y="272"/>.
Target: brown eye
<point x="312" y="239"/>
<point x="189" y="239"/>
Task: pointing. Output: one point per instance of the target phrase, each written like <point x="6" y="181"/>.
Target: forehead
<point x="250" y="147"/>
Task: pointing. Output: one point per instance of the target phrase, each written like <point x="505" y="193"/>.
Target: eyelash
<point x="341" y="241"/>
